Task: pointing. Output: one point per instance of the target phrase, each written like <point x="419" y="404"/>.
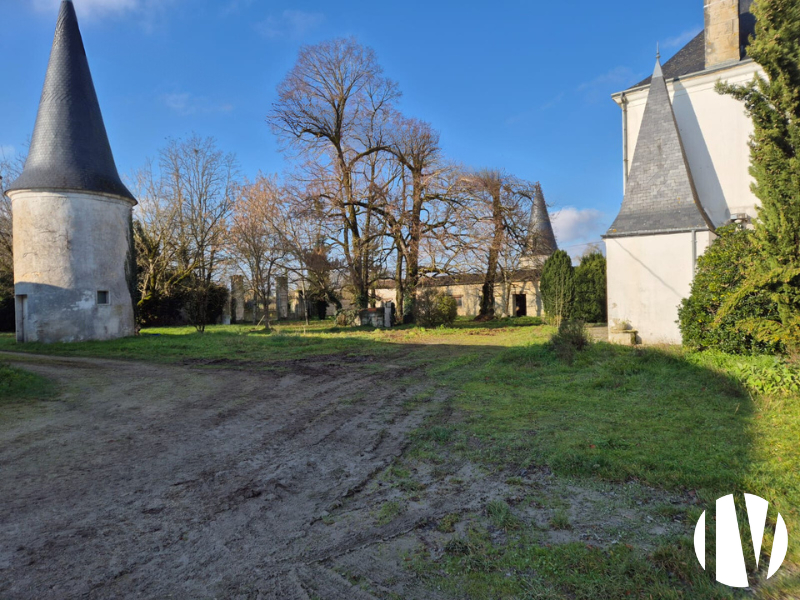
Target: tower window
<point x="103" y="297"/>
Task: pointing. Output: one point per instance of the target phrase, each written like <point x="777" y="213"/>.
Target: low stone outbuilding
<point x="516" y="296"/>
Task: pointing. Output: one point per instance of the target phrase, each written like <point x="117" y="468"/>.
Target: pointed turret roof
<point x="541" y="239"/>
<point x="70" y="149"/>
<point x="660" y="196"/>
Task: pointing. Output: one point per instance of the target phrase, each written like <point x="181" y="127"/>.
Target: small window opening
<point x="103" y="297"/>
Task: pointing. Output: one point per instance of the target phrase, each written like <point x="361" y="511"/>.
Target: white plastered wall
<point x="67" y="247"/>
<point x="647" y="278"/>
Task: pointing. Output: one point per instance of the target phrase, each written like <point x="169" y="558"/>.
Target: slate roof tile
<point x="70" y="148"/>
<point x="660" y="196"/>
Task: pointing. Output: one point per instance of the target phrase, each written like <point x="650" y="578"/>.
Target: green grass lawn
<point x="17" y="385"/>
<point x="698" y="424"/>
<point x="662" y="417"/>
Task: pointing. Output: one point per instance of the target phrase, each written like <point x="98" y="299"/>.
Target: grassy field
<point x="700" y="425"/>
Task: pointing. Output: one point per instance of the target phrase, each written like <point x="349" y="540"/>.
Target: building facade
<point x="74" y="262"/>
<point x="516" y="291"/>
<point x="685" y="172"/>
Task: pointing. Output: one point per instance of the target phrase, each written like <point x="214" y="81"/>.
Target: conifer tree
<point x="774" y="105"/>
<point x="557" y="287"/>
<point x="590" y="289"/>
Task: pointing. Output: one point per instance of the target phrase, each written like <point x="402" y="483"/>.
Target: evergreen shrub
<point x="721" y="271"/>
<point x="557" y="287"/>
<point x="590" y="289"/>
<point x="433" y="308"/>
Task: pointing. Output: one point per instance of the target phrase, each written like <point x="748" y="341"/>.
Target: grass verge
<point x="18" y="385"/>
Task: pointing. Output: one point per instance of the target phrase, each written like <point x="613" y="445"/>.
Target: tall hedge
<point x="721" y="272"/>
<point x="590" y="303"/>
<point x="557" y="287"/>
<point x="773" y="102"/>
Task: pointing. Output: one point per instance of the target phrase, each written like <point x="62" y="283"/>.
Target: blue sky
<point x="523" y="86"/>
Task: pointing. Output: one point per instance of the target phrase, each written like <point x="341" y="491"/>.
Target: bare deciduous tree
<point x="255" y="242"/>
<point x="498" y="211"/>
<point x="201" y="180"/>
<point x="423" y="182"/>
<point x="158" y="243"/>
<point x="333" y="107"/>
<point x="10" y="169"/>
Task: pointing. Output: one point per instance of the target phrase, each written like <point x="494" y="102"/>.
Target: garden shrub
<point x="720" y="273"/>
<point x="572" y="337"/>
<point x="557" y="287"/>
<point x="347" y="317"/>
<point x="433" y="308"/>
<point x="448" y="309"/>
<point x="590" y="303"/>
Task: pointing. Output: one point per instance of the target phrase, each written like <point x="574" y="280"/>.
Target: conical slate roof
<point x="660" y="195"/>
<point x="70" y="149"/>
<point x="541" y="239"/>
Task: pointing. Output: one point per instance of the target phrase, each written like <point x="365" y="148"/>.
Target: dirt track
<point x="152" y="482"/>
<point x="145" y="481"/>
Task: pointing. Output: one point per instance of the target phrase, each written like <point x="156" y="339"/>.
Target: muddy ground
<point x="196" y="481"/>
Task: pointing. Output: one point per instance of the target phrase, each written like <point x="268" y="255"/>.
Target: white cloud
<point x="679" y="41"/>
<point x="186" y="104"/>
<point x="149" y="14"/>
<point x="609" y="82"/>
<point x="90" y="8"/>
<point x="236" y="6"/>
<point x="576" y="228"/>
<point x="291" y="24"/>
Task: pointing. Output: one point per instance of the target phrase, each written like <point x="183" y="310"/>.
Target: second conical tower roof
<point x="660" y="196"/>
<point x="541" y="239"/>
<point x="70" y="148"/>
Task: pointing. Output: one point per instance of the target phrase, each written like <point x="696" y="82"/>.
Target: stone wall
<point x="238" y="299"/>
<point x="469" y="297"/>
<point x="70" y="254"/>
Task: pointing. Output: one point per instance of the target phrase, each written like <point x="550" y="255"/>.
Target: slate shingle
<point x="660" y="195"/>
<point x="70" y="148"/>
<point x="541" y="239"/>
<point x="689" y="59"/>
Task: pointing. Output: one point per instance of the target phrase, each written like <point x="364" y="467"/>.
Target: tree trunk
<point x="487" y="291"/>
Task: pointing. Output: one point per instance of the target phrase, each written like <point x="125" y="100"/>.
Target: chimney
<point x="723" y="42"/>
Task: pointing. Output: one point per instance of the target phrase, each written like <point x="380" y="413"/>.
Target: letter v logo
<point x="731" y="570"/>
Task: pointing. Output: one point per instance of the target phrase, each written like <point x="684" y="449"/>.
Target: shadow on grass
<point x="624" y="414"/>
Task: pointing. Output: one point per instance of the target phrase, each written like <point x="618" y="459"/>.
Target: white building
<point x="74" y="269"/>
<point x="685" y="166"/>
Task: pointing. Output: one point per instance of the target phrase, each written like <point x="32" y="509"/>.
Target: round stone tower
<point x="74" y="265"/>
